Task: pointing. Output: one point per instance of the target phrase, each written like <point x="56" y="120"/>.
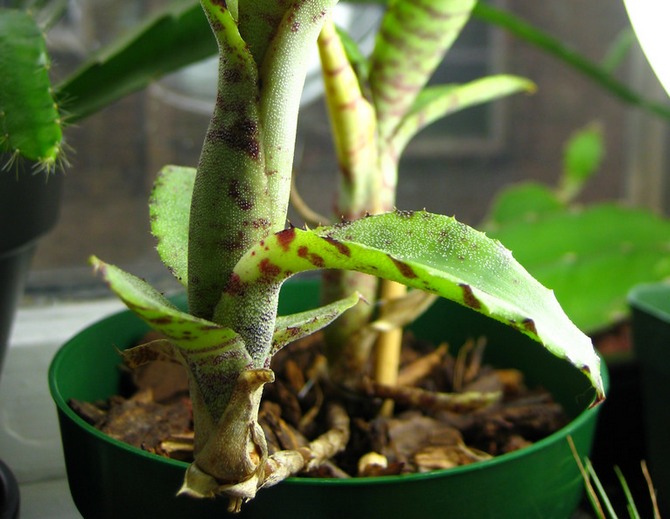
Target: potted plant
<point x="29" y="203"/>
<point x="221" y="232"/>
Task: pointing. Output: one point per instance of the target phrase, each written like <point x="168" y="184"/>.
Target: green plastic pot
<point x="110" y="479"/>
<point x="650" y="305"/>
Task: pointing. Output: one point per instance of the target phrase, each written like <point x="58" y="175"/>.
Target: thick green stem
<point x="230" y="208"/>
<point x="240" y="197"/>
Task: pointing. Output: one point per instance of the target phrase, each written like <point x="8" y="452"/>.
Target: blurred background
<point x="455" y="167"/>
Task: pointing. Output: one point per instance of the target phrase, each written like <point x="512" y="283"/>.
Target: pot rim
<point x="652" y="298"/>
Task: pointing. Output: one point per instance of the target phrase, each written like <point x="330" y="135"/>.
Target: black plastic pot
<point x="9" y="493"/>
<point x="29" y="208"/>
<point x="651" y="339"/>
<point x="109" y="479"/>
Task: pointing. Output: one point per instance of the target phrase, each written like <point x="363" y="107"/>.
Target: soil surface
<point x="447" y="411"/>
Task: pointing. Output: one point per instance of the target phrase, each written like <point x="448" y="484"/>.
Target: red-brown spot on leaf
<point x="341" y="247"/>
<point x="268" y="269"/>
<point x="404" y="268"/>
<point x="469" y="297"/>
<point x="285" y="238"/>
<point x="235" y="286"/>
<point x="241" y="134"/>
<point x="260" y="223"/>
<point x="529" y="326"/>
<point x="314" y="259"/>
<point x="162" y="320"/>
<point x="238" y="194"/>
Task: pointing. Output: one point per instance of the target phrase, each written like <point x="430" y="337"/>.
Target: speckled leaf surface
<point x="169" y="208"/>
<point x="433" y="253"/>
<point x="214" y="355"/>
<point x="188" y="332"/>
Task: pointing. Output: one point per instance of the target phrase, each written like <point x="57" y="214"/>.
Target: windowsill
<point x="29" y="435"/>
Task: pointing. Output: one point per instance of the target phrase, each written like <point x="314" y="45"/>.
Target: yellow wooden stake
<point x="387" y="358"/>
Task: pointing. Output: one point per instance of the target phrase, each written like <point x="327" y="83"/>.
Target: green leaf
<point x="30" y="124"/>
<point x="411" y="42"/>
<point x="232" y="200"/>
<point x="582" y="156"/>
<point x="282" y="74"/>
<point x="436" y="102"/>
<point x="216" y="356"/>
<point x="433" y="253"/>
<point x="528" y="202"/>
<point x="189" y="333"/>
<point x="266" y="15"/>
<point x="169" y="208"/>
<point x="591" y="257"/>
<point x="177" y="36"/>
<point x="353" y="126"/>
<point x="292" y="327"/>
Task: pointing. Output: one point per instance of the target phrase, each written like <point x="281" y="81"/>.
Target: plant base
<point x="110" y="479"/>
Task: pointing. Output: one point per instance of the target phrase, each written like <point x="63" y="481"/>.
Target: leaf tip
<point x="97" y="264"/>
